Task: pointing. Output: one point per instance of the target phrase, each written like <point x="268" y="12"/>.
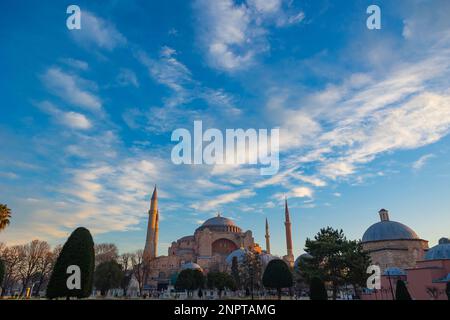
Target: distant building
<point x="393" y="244"/>
<point x="403" y="255"/>
<point x="211" y="247"/>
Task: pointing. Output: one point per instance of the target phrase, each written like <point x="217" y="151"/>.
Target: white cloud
<point x="76" y="64"/>
<point x="234" y="34"/>
<point x="422" y="161"/>
<point x="68" y="119"/>
<point x="71" y="88"/>
<point x="98" y="32"/>
<point x="296" y="192"/>
<point x="218" y="201"/>
<point x="75" y="120"/>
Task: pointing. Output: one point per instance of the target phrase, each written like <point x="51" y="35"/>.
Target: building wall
<point x="396" y="253"/>
<point x="422" y="280"/>
<point x="199" y="249"/>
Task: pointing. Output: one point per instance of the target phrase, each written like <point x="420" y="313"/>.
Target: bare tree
<point x="140" y="267"/>
<point x="105" y="252"/>
<point x="125" y="262"/>
<point x="44" y="268"/>
<point x="32" y="254"/>
<point x="12" y="257"/>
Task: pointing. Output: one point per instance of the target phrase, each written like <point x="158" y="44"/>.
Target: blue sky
<point x="87" y="116"/>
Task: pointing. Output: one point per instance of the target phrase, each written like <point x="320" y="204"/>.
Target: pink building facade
<point x="427" y="280"/>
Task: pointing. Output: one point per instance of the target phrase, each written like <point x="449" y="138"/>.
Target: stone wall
<point x="396" y="253"/>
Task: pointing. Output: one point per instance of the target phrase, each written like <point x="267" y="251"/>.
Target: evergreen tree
<point x="447" y="290"/>
<point x="335" y="260"/>
<point x="317" y="290"/>
<point x="235" y="272"/>
<point x="401" y="292"/>
<point x="108" y="275"/>
<point x="190" y="280"/>
<point x="356" y="263"/>
<point x="277" y="276"/>
<point x="79" y="251"/>
<point x="220" y="281"/>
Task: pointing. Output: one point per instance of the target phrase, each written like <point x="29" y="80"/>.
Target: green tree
<point x="108" y="275"/>
<point x="277" y="276"/>
<point x="335" y="259"/>
<point x="78" y="250"/>
<point x="220" y="281"/>
<point x="356" y="263"/>
<point x="190" y="280"/>
<point x="317" y="290"/>
<point x="447" y="290"/>
<point x="235" y="272"/>
<point x="401" y="292"/>
<point x="5" y="216"/>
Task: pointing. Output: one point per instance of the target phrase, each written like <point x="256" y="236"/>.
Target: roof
<point x="388" y="230"/>
<point x="440" y="251"/>
<point x="218" y="221"/>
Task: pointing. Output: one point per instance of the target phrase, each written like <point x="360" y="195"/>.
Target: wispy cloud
<point x="98" y="33"/>
<point x="422" y="161"/>
<point x="234" y="34"/>
<point x="226" y="198"/>
<point x="69" y="119"/>
<point x="71" y="88"/>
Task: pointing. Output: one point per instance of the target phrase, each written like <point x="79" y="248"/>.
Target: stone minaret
<point x="289" y="258"/>
<point x="151" y="242"/>
<point x="267" y="238"/>
<point x="155" y="239"/>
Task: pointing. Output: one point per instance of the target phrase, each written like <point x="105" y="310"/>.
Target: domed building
<point x="211" y="248"/>
<point x="392" y="244"/>
<point x="427" y="280"/>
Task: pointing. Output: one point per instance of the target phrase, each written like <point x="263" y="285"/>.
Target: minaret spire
<point x="267" y="238"/>
<point x="152" y="229"/>
<point x="289" y="258"/>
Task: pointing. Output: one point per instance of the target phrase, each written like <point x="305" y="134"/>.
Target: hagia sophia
<point x="210" y="248"/>
<point x="394" y="247"/>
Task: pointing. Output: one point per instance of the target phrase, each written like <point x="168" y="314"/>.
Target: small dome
<point x="302" y="257"/>
<point x="388" y="230"/>
<point x="191" y="266"/>
<point x="266" y="258"/>
<point x="239" y="254"/>
<point x="393" y="271"/>
<point x="440" y="251"/>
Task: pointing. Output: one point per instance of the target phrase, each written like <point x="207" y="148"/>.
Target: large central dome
<point x="221" y="224"/>
<point x="388" y="230"/>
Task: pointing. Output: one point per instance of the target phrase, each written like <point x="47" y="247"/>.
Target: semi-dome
<point x="238" y="253"/>
<point x="388" y="230"/>
<point x="191" y="266"/>
<point x="440" y="251"/>
<point x="221" y="224"/>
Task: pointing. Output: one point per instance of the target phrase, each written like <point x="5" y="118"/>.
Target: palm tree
<point x="5" y="215"/>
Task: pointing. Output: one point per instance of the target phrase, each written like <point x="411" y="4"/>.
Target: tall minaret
<point x="152" y="233"/>
<point x="267" y="238"/>
<point x="289" y="258"/>
<point x="155" y="239"/>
